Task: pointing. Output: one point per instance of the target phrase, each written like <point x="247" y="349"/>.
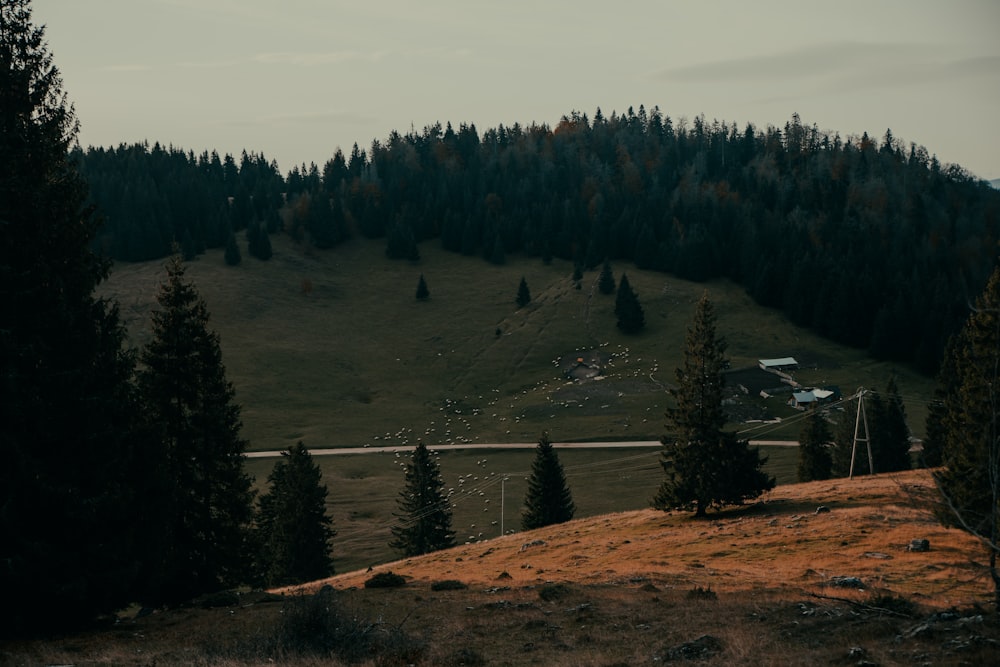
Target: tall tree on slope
<point x="66" y="550"/>
<point x="705" y="466"/>
<point x="200" y="497"/>
<point x="969" y="480"/>
<point x="424" y="510"/>
<point x="548" y="500"/>
<point x="293" y="528"/>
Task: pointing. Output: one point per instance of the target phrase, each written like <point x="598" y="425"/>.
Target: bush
<point x="448" y="585"/>
<point x="552" y="592"/>
<point x="699" y="593"/>
<point x="894" y="604"/>
<point x="386" y="580"/>
<point x="318" y="625"/>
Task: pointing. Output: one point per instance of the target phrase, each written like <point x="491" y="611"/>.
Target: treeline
<point x="864" y="240"/>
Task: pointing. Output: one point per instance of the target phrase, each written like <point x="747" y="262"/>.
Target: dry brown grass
<point x="633" y="588"/>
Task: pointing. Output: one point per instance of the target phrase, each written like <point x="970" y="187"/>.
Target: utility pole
<point x="503" y="480"/>
<point x="861" y="418"/>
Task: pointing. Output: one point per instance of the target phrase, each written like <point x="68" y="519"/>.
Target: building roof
<point x="804" y="396"/>
<point x="773" y="363"/>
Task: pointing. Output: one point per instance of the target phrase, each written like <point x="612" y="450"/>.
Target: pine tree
<point x="233" y="256"/>
<point x="890" y="434"/>
<point x="548" y="499"/>
<point x="422" y="292"/>
<point x="424" y="511"/>
<point x="523" y="294"/>
<point x="815" y="462"/>
<point x="201" y="501"/>
<point x="631" y="318"/>
<point x="943" y="404"/>
<point x="67" y="548"/>
<point x="969" y="481"/>
<point x="293" y="527"/>
<point x="259" y="241"/>
<point x="606" y="282"/>
<point x="704" y="465"/>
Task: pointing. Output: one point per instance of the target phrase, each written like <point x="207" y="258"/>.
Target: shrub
<point x="319" y="625"/>
<point x="894" y="604"/>
<point x="448" y="585"/>
<point x="552" y="592"/>
<point x="386" y="580"/>
<point x="699" y="593"/>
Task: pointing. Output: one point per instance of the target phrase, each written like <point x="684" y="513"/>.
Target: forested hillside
<point x="867" y="241"/>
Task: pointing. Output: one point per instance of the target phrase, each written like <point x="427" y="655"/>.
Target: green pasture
<point x="363" y="489"/>
<point x="332" y="347"/>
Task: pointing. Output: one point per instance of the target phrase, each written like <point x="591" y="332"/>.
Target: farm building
<point x="803" y="400"/>
<point x="782" y="364"/>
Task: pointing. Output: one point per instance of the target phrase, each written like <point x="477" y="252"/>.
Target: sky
<point x="295" y="80"/>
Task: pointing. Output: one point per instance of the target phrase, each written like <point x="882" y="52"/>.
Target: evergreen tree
<point x="815" y="462"/>
<point x="293" y="528"/>
<point x="201" y="502"/>
<point x="233" y="256"/>
<point x="890" y="434"/>
<point x="704" y="465"/>
<point x="67" y="511"/>
<point x="936" y="429"/>
<point x="523" y="294"/>
<point x="631" y="318"/>
<point x="422" y="292"/>
<point x="499" y="254"/>
<point x="424" y="510"/>
<point x="969" y="481"/>
<point x="606" y="282"/>
<point x="259" y="241"/>
<point x="548" y="499"/>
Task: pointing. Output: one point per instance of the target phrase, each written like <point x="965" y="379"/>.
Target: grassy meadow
<point x="332" y="347"/>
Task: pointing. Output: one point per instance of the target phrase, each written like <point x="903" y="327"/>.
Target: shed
<point x="802" y="399"/>
<point x="782" y="364"/>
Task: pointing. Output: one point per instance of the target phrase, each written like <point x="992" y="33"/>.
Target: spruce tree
<point x="969" y="481"/>
<point x="67" y="489"/>
<point x="631" y="318"/>
<point x="942" y="405"/>
<point x="201" y="501"/>
<point x="233" y="256"/>
<point x="606" y="282"/>
<point x="523" y="294"/>
<point x="890" y="435"/>
<point x="293" y="527"/>
<point x="548" y="499"/>
<point x="815" y="462"/>
<point x="704" y="465"/>
<point x="424" y="511"/>
<point x="422" y="292"/>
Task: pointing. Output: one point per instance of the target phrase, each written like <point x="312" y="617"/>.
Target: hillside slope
<point x="332" y="347"/>
<point x="774" y="583"/>
<point x="782" y="543"/>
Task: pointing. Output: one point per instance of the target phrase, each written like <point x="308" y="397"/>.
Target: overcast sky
<point x="296" y="79"/>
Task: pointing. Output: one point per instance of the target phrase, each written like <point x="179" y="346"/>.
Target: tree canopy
<point x="293" y="527"/>
<point x="772" y="208"/>
<point x="67" y="442"/>
<point x="424" y="511"/>
<point x="199" y="496"/>
<point x="548" y="499"/>
<point x="969" y="428"/>
<point x="704" y="465"/>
